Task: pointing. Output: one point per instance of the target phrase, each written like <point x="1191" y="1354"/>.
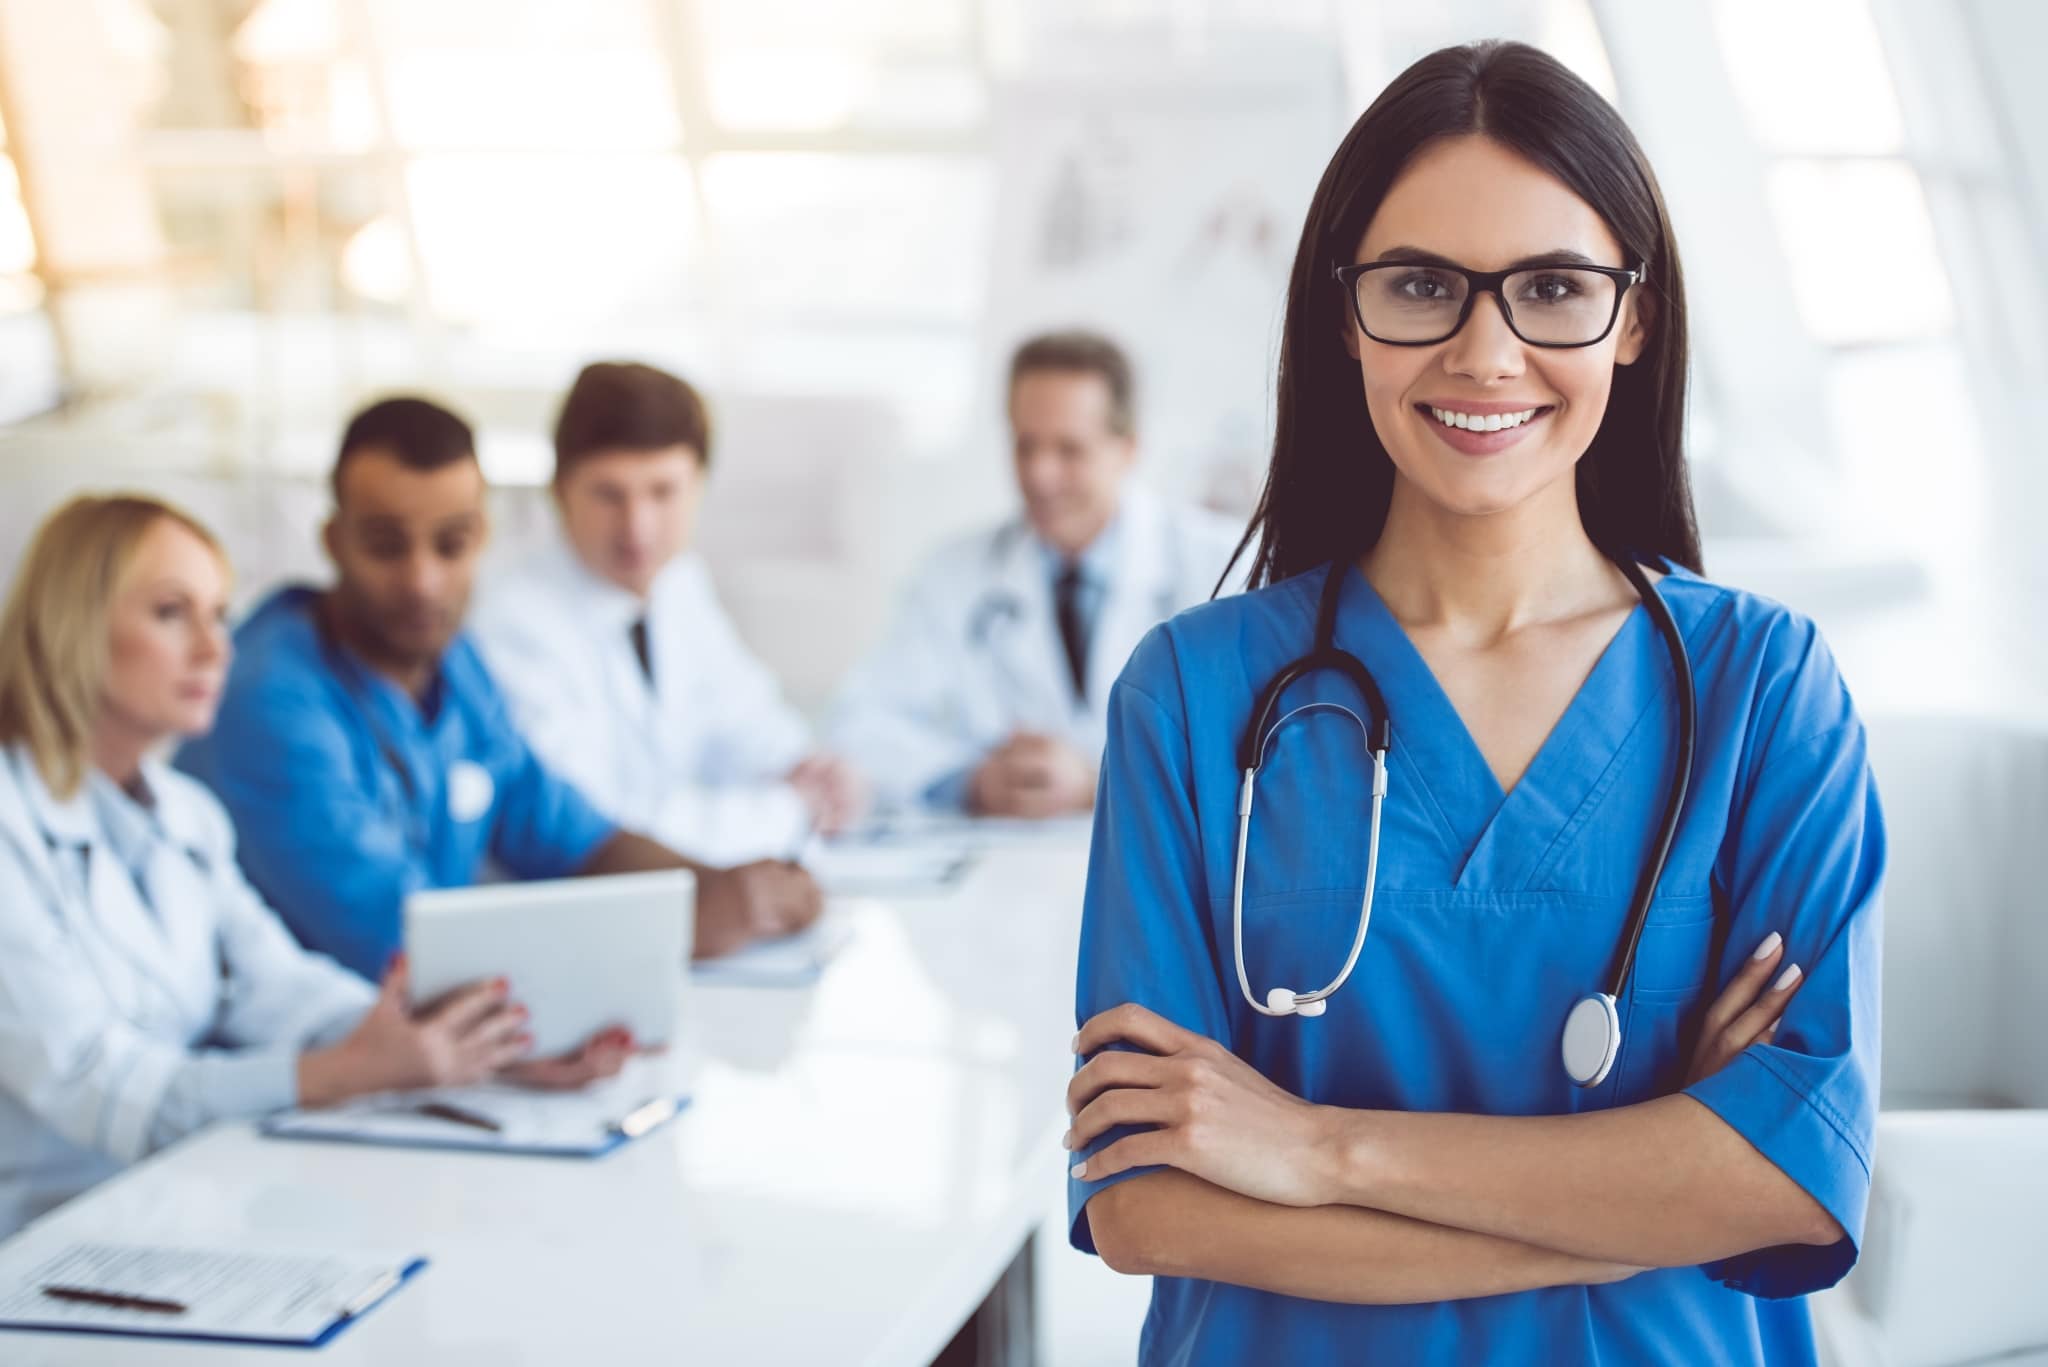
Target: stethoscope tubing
<point x="1256" y="745"/>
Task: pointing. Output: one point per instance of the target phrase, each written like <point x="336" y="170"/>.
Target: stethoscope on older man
<point x="1592" y="1029"/>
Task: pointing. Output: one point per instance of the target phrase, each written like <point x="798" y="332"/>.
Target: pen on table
<point x="113" y="1300"/>
<point x="647" y="1116"/>
<point x="370" y="1295"/>
<point x="441" y="1110"/>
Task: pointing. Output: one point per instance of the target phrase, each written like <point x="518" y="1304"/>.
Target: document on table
<point x="240" y="1296"/>
<point x="923" y="826"/>
<point x="501" y="1118"/>
<point x="859" y="868"/>
<point x="789" y="961"/>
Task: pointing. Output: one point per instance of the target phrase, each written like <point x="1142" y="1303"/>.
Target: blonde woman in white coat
<point x="145" y="990"/>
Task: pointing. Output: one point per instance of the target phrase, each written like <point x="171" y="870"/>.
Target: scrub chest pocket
<point x="1666" y="998"/>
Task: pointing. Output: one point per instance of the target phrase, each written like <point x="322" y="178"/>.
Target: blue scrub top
<point x="347" y="794"/>
<point x="1494" y="915"/>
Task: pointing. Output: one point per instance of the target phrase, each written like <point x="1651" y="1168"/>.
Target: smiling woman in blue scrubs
<point x="1412" y="1176"/>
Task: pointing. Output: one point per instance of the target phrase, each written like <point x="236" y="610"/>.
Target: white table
<point x="860" y="1163"/>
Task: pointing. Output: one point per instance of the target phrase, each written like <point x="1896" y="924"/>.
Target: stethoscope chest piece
<point x="1592" y="1037"/>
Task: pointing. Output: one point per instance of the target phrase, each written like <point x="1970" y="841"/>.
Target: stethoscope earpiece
<point x="1282" y="1001"/>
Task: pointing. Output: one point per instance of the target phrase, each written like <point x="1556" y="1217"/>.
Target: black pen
<point x="441" y="1110"/>
<point x="113" y="1300"/>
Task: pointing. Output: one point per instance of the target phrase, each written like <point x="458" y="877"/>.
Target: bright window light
<point x="902" y="238"/>
<point x="1811" y="76"/>
<point x="376" y="264"/>
<point x="1865" y="266"/>
<point x="519" y="97"/>
<point x="17" y="244"/>
<point x="587" y="236"/>
<point x="1570" y="35"/>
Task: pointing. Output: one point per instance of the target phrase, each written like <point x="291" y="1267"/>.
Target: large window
<point x="780" y="195"/>
<point x="1850" y="194"/>
<point x="28" y="353"/>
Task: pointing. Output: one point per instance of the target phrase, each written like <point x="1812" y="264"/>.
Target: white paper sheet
<point x="569" y="1123"/>
<point x="792" y="961"/>
<point x="281" y="1297"/>
<point x="926" y="827"/>
<point x="877" y="869"/>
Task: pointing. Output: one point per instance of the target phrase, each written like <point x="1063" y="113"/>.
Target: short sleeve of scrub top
<point x="1146" y="853"/>
<point x="1494" y="912"/>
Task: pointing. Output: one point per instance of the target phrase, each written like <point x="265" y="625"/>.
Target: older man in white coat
<point x="621" y="666"/>
<point x="991" y="690"/>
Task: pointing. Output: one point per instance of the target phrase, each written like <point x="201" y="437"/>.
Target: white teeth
<point x="1473" y="422"/>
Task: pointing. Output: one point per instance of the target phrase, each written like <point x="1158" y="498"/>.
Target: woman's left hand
<point x="1216" y="1116"/>
<point x="597" y="1058"/>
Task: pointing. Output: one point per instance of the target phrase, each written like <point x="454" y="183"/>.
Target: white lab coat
<point x="696" y="759"/>
<point x="974" y="655"/>
<point x="124" y="1022"/>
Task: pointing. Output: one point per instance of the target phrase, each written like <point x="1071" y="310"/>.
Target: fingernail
<point x="1078" y="1170"/>
<point x="1067" y="1140"/>
<point x="1769" y="946"/>
<point x="1074" y="1045"/>
<point x="1786" y="979"/>
<point x="1776" y="1023"/>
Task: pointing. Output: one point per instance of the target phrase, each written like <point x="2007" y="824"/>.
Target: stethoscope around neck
<point x="1592" y="1028"/>
<point x="1001" y="607"/>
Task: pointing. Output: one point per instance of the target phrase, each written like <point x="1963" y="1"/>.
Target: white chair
<point x="1954" y="1267"/>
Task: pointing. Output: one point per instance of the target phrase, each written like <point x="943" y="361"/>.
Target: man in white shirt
<point x="622" y="669"/>
<point x="992" y="689"/>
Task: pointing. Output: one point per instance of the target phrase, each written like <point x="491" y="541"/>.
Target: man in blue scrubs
<point x="364" y="750"/>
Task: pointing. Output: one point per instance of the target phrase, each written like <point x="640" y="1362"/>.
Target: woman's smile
<point x="1481" y="429"/>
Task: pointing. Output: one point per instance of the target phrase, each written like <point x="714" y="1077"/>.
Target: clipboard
<point x="498" y="1118"/>
<point x="188" y="1280"/>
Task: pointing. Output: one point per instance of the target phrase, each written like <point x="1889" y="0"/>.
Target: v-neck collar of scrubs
<point x="1496" y="841"/>
<point x="403" y="726"/>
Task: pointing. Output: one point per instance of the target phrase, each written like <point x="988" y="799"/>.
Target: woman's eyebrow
<point x="1556" y="256"/>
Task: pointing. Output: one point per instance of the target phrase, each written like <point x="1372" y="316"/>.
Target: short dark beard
<point x="343" y="622"/>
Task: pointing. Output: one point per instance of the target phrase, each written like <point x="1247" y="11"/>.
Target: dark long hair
<point x="1330" y="481"/>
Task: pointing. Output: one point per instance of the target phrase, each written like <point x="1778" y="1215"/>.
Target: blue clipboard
<point x="343" y="1126"/>
<point x="169" y="1330"/>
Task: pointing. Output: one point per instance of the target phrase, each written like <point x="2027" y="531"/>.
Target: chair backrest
<point x="1966" y="923"/>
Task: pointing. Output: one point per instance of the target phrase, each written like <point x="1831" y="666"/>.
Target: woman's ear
<point x="1349" y="329"/>
<point x="1638" y="316"/>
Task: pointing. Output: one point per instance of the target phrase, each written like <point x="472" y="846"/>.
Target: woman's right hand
<point x="1747" y="1011"/>
<point x="459" y="1039"/>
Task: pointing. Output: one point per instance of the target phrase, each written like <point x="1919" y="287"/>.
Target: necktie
<point x="1066" y="601"/>
<point x="640" y="649"/>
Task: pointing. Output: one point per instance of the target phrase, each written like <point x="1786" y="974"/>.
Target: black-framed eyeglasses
<point x="1409" y="303"/>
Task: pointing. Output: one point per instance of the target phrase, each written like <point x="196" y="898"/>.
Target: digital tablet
<point x="581" y="954"/>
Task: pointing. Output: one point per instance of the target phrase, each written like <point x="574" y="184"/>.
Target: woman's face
<point x="168" y="645"/>
<point x="1473" y="202"/>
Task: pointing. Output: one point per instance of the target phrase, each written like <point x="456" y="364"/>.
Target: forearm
<point x="1168" y="1223"/>
<point x="1666" y="1183"/>
<point x="629" y="852"/>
